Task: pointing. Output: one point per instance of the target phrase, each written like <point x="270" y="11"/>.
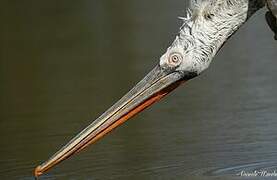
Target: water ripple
<point x="269" y="166"/>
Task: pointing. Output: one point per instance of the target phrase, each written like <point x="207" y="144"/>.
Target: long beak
<point x="153" y="87"/>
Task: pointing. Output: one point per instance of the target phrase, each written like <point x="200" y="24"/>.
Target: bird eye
<point x="175" y="59"/>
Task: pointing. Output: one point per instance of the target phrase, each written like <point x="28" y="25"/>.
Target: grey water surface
<point x="62" y="63"/>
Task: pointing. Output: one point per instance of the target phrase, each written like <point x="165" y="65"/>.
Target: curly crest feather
<point x="207" y="25"/>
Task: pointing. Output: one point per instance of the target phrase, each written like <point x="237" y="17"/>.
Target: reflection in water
<point x="59" y="64"/>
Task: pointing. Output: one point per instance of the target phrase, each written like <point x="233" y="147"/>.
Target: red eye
<point x="175" y="59"/>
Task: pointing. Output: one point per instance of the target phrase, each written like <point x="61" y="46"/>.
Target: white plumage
<point x="207" y="25"/>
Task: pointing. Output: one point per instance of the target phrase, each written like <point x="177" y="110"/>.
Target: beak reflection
<point x="149" y="90"/>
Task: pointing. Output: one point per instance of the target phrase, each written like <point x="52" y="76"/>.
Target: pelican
<point x="207" y="26"/>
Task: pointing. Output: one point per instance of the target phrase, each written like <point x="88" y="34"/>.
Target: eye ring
<point x="175" y="59"/>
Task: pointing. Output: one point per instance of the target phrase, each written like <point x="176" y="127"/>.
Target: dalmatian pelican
<point x="207" y="26"/>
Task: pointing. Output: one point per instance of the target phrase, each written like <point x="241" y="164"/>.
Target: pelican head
<point x="203" y="32"/>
